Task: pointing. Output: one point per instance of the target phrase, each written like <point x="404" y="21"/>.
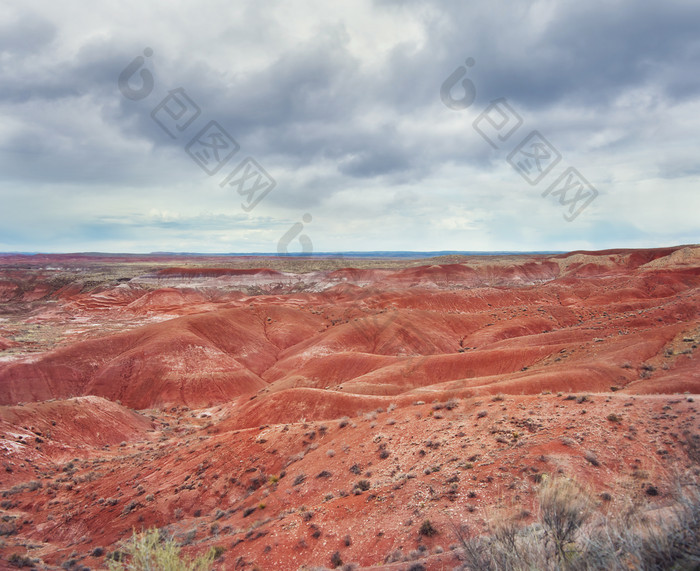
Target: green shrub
<point x="149" y="551"/>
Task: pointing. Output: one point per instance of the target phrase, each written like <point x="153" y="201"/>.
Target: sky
<point x="355" y="125"/>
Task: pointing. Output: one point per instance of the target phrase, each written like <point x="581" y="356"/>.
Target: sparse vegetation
<point x="498" y="462"/>
<point x="150" y="551"/>
<point x="570" y="535"/>
<point x="427" y="529"/>
<point x="336" y="559"/>
<point x="363" y="485"/>
<point x="21" y="560"/>
<point x="564" y="506"/>
<point x="452" y="404"/>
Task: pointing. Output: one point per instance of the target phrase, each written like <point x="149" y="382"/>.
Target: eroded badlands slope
<point x="208" y="396"/>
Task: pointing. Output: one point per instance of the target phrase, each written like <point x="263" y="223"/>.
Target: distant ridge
<point x="350" y="254"/>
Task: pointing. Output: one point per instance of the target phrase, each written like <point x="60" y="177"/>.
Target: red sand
<point x="240" y="374"/>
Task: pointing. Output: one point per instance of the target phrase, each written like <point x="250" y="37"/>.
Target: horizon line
<point x="339" y="253"/>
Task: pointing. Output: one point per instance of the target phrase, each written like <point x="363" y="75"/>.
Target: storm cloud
<point x="343" y="109"/>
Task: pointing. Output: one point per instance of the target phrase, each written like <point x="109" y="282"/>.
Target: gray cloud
<point x="343" y="109"/>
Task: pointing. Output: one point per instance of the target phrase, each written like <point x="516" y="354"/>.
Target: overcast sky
<point x="340" y="105"/>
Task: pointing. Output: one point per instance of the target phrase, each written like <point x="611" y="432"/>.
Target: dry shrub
<point x="571" y="535"/>
<point x="564" y="507"/>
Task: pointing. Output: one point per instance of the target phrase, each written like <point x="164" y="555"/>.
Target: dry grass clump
<point x="571" y="534"/>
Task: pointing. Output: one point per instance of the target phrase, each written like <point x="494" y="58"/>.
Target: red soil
<point x="171" y="400"/>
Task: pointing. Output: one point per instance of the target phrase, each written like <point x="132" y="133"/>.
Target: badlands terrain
<point x="296" y="413"/>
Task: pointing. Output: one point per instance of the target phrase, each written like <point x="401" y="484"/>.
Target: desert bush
<point x="131" y="506"/>
<point x="21" y="560"/>
<point x="427" y="529"/>
<point x="363" y="485"/>
<point x="336" y="559"/>
<point x="564" y="507"/>
<point x="569" y="535"/>
<point x="295" y="458"/>
<point x="149" y="551"/>
<point x="396" y="555"/>
<point x="635" y="539"/>
<point x="692" y="446"/>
